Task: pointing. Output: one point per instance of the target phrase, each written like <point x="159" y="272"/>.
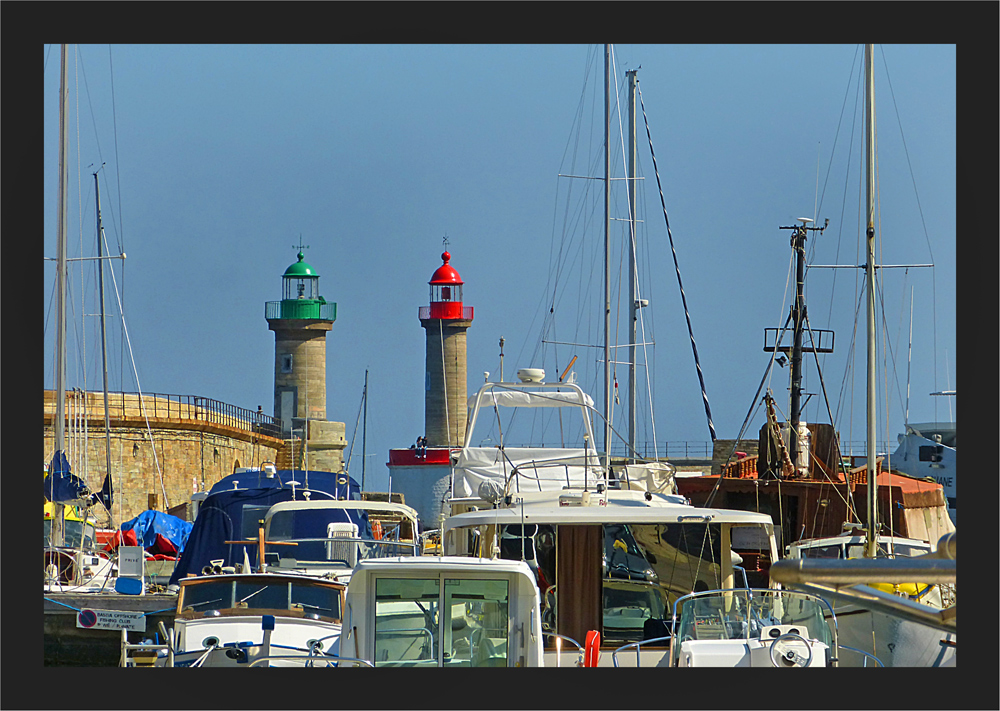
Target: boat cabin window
<point x="463" y="621"/>
<point x="252" y="516"/>
<point x="632" y="611"/>
<point x="888" y="549"/>
<point x="644" y="569"/>
<point x="256" y="594"/>
<point x="834" y="551"/>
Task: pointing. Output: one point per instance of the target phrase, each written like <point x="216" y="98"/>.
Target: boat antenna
<point x="501" y="359"/>
<point x="909" y="356"/>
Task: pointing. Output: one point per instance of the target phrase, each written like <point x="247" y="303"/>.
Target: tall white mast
<point x="632" y="277"/>
<point x="607" y="263"/>
<point x="872" y="534"/>
<point x="104" y="333"/>
<point x="57" y="532"/>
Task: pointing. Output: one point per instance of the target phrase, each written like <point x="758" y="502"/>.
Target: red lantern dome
<point x="445" y="274"/>
<point x="446" y="291"/>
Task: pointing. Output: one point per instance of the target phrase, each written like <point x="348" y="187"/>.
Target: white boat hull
<point x="894" y="641"/>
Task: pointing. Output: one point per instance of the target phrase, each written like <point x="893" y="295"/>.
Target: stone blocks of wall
<point x="173" y="464"/>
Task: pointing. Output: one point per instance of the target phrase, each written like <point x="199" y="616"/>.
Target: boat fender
<point x="913" y="591"/>
<point x="592" y="649"/>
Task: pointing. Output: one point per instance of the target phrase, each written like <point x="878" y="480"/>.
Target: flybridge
<point x="531" y="467"/>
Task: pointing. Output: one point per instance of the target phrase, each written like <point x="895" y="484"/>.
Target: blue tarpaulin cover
<point x="236" y="503"/>
<point x="149" y="523"/>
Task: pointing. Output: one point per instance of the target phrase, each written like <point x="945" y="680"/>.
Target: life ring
<point x="377" y="530"/>
<point x="592" y="649"/>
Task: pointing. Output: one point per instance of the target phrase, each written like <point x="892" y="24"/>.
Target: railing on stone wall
<point x="123" y="405"/>
<point x="668" y="450"/>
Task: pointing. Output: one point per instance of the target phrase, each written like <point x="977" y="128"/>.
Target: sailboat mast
<point x="607" y="262"/>
<point x="872" y="533"/>
<point x="57" y="535"/>
<point x="104" y="332"/>
<point x="632" y="296"/>
<point x="60" y="424"/>
<point x="364" y="430"/>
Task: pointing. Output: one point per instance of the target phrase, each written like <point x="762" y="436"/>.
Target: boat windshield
<point x="256" y="594"/>
<point x="748" y="614"/>
<point x="856" y="549"/>
<point x="74" y="532"/>
<point x="889" y="549"/>
<point x="321" y="541"/>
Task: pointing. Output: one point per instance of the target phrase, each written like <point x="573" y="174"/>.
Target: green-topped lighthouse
<point x="300" y="322"/>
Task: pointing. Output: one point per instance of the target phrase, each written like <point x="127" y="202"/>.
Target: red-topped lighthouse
<point x="423" y="475"/>
<point x="445" y="320"/>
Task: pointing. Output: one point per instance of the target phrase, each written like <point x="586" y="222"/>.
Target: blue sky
<point x="218" y="158"/>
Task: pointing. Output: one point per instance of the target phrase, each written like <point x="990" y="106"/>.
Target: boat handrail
<point x="518" y="472"/>
<point x="143" y="647"/>
<point x="329" y="659"/>
<point x="579" y="661"/>
<point x="862" y="652"/>
<point x="614" y="654"/>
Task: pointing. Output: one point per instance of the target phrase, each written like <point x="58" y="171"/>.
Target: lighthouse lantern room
<point x="300" y="281"/>
<point x="446" y="292"/>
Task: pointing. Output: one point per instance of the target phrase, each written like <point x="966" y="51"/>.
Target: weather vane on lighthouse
<point x="444" y="241"/>
<point x="301" y="246"/>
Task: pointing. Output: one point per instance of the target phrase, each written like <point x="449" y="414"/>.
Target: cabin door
<point x="579" y="607"/>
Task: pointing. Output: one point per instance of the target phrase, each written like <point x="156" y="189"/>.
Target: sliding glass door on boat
<point x="441" y="621"/>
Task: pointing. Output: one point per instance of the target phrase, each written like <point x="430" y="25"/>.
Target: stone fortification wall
<point x="186" y="447"/>
<point x="724" y="447"/>
<point x="172" y="465"/>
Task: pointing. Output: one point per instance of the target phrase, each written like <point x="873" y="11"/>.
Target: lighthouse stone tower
<point x="300" y="322"/>
<point x="424" y="477"/>
<point x="446" y="320"/>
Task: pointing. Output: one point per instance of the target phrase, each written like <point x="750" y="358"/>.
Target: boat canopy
<point x="323" y="484"/>
<point x="230" y="513"/>
<point x="525" y="398"/>
<point x="515" y="469"/>
<point x="61" y="485"/>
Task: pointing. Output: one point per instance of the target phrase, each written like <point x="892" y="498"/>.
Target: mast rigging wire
<point x="673" y="250"/>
